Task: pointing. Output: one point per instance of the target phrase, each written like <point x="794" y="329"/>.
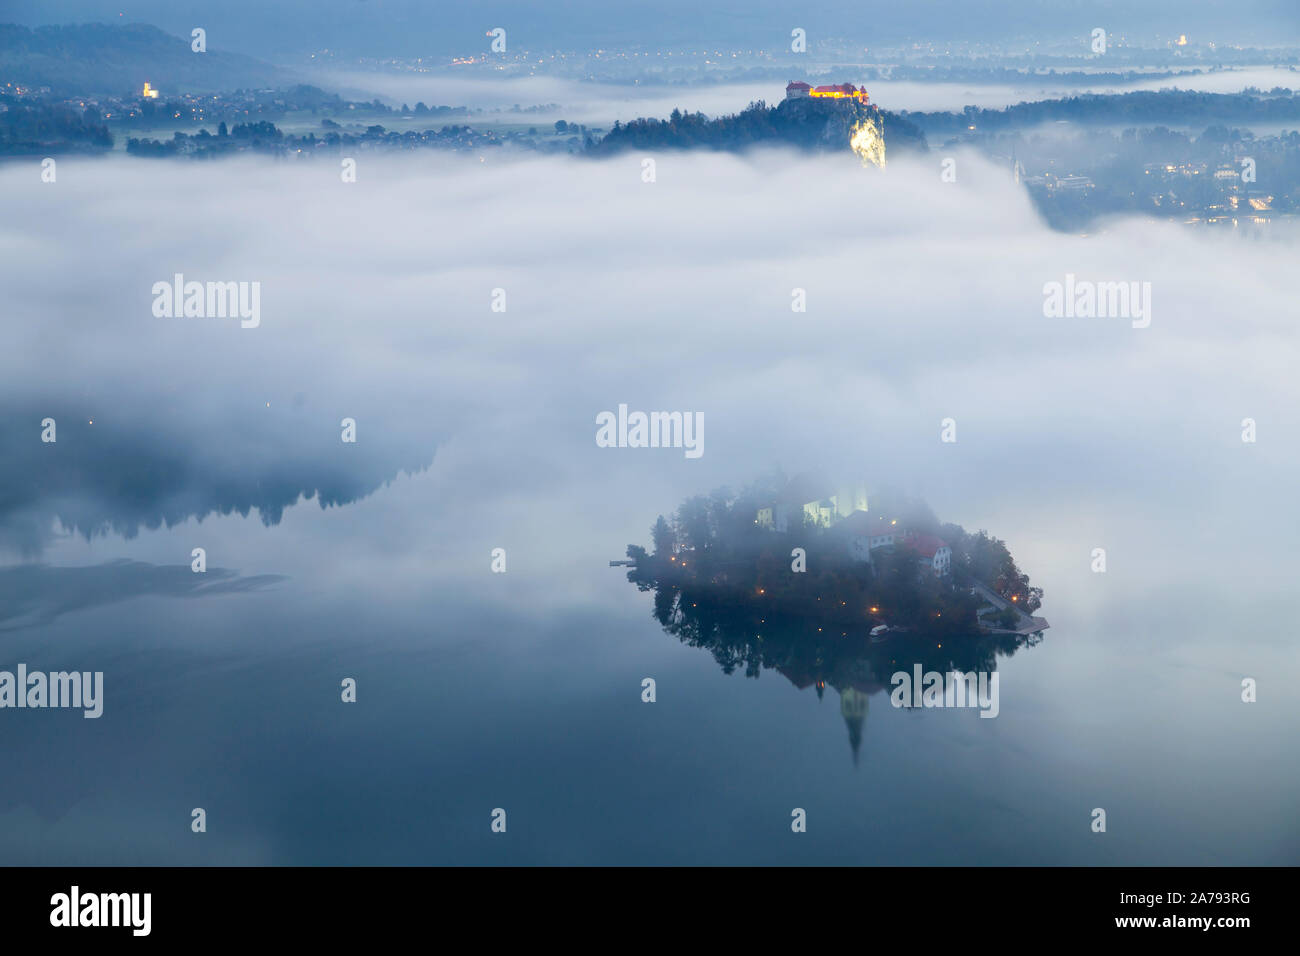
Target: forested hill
<point x="810" y="124"/>
<point x="95" y="58"/>
<point x="1137" y="108"/>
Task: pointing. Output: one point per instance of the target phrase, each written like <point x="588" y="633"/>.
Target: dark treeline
<point x="48" y="125"/>
<point x="265" y="137"/>
<point x="1162" y="107"/>
<point x="241" y="136"/>
<point x="46" y="128"/>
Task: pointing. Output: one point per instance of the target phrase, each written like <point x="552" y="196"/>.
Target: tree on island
<point x="665" y="541"/>
<point x="693" y="523"/>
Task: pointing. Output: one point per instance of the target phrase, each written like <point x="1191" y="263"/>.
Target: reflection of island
<point x="139" y="469"/>
<point x="802" y="577"/>
<point x="809" y="655"/>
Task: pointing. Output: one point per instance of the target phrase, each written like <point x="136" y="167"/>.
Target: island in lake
<point x="813" y="550"/>
<point x="805" y="577"/>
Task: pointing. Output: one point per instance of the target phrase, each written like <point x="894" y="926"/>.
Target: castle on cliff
<point x="845" y="91"/>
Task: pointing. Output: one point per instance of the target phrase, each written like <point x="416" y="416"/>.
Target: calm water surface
<point x="522" y="691"/>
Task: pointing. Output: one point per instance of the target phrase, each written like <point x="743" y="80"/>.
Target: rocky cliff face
<point x="830" y="124"/>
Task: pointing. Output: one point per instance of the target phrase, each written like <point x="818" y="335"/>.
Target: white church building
<point x="807" y="500"/>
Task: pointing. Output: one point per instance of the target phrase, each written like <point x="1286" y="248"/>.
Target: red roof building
<point x="934" y="552"/>
<point x="927" y="545"/>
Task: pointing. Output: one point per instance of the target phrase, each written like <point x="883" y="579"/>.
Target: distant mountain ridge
<point x="100" y="58"/>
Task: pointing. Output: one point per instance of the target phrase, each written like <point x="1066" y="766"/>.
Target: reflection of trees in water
<point x="118" y="477"/>
<point x="809" y="655"/>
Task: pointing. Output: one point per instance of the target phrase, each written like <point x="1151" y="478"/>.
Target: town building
<point x="867" y="533"/>
<point x="933" y="553"/>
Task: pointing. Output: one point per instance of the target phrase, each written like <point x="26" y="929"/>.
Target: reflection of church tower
<point x="853" y="708"/>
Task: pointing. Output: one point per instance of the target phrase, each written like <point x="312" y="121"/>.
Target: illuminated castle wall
<point x="845" y="91"/>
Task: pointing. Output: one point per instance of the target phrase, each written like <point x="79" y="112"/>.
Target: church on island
<point x="810" y="501"/>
